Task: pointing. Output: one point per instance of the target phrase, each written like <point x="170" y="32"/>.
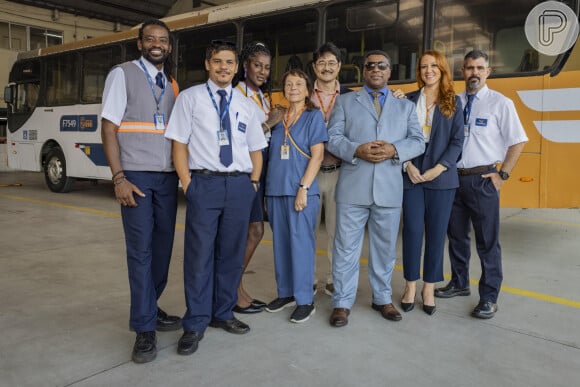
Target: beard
<point x="473" y="83"/>
<point x="155" y="60"/>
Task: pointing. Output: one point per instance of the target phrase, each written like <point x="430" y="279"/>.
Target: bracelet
<point x="120" y="180"/>
<point x="304" y="187"/>
<point x="116" y="174"/>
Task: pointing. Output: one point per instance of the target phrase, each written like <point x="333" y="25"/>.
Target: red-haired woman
<point x="430" y="180"/>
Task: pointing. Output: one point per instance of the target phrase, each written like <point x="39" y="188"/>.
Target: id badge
<point x="285" y="152"/>
<point x="466" y="130"/>
<point x="222" y="138"/>
<point x="159" y="121"/>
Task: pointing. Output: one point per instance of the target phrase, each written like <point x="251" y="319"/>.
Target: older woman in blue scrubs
<point x="292" y="196"/>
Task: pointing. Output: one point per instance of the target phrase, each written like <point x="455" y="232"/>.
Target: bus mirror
<point x="8" y="95"/>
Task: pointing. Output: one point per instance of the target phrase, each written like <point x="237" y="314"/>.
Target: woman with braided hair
<point x="255" y="72"/>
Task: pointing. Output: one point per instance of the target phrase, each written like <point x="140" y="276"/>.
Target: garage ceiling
<point x="129" y="12"/>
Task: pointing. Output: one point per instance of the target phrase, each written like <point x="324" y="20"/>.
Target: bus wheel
<point x="55" y="172"/>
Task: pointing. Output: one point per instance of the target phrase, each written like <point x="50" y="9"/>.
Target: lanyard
<point x="288" y="124"/>
<point x="330" y="104"/>
<point x="150" y="80"/>
<point x="256" y="97"/>
<point x="227" y="108"/>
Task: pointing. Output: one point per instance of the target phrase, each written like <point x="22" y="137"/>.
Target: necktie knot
<point x="222" y="93"/>
<point x="159" y="80"/>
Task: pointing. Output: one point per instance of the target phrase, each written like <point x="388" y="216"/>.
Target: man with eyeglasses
<point x="493" y="135"/>
<point x="373" y="133"/>
<point x="326" y="65"/>
<point x="217" y="143"/>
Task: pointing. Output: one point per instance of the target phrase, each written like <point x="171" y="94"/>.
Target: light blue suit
<point x="369" y="192"/>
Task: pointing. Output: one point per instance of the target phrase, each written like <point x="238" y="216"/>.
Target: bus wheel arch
<point x="54" y="168"/>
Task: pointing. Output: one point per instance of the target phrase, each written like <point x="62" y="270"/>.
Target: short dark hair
<point x="309" y="86"/>
<point x="153" y="22"/>
<point x="476" y="54"/>
<point x="378" y="52"/>
<point x="216" y="46"/>
<point x="327" y="48"/>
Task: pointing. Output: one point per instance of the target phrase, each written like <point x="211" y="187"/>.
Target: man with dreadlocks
<point x="256" y="60"/>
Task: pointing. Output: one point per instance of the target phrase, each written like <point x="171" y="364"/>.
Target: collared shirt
<point x="424" y="119"/>
<point x="259" y="99"/>
<point x="494" y="126"/>
<point x="382" y="96"/>
<point x="195" y="122"/>
<point x="115" y="91"/>
<point x="324" y="100"/>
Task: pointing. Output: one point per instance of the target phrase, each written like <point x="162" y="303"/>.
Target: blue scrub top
<point x="284" y="176"/>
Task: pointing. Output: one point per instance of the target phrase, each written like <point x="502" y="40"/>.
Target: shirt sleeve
<point x="180" y="123"/>
<point x="114" y="97"/>
<point x="511" y="127"/>
<point x="255" y="136"/>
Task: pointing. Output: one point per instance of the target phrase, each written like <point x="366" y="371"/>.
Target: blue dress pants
<point x="425" y="212"/>
<point x="477" y="201"/>
<point x="149" y="231"/>
<point x="294" y="246"/>
<point x="216" y="229"/>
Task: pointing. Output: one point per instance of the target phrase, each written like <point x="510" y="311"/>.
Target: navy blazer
<point x="444" y="147"/>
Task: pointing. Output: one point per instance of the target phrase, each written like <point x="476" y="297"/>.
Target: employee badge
<point x="285" y="152"/>
<point x="159" y="120"/>
<point x="222" y="137"/>
<point x="466" y="130"/>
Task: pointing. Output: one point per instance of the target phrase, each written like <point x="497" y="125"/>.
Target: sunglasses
<point x="219" y="43"/>
<point x="381" y="65"/>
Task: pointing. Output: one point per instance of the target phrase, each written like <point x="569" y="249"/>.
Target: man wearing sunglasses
<point x="217" y="152"/>
<point x="373" y="133"/>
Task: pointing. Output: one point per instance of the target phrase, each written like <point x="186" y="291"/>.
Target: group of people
<point x="359" y="155"/>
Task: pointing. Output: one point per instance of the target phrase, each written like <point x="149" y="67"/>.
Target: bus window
<point x="26" y="97"/>
<point x="96" y="65"/>
<point x="131" y="51"/>
<point x="292" y="36"/>
<point x="461" y="27"/>
<point x="395" y="27"/>
<point x="191" y="53"/>
<point x="62" y="84"/>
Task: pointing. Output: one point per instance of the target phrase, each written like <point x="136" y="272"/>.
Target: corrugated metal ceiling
<point x="129" y="12"/>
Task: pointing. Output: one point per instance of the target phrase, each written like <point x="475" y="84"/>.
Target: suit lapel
<point x="364" y="99"/>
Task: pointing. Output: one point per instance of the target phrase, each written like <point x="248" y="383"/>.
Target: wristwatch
<point x="304" y="187"/>
<point x="504" y="175"/>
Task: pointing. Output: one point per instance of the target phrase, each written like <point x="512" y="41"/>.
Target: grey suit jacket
<point x="353" y="122"/>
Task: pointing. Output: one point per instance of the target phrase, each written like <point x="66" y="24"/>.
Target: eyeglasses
<point x="322" y="64"/>
<point x="381" y="65"/>
<point x="218" y="43"/>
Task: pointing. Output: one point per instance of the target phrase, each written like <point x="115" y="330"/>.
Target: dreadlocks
<point x="250" y="51"/>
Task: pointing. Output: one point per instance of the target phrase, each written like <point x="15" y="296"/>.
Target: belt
<point x="475" y="170"/>
<point x="329" y="168"/>
<point x="216" y="173"/>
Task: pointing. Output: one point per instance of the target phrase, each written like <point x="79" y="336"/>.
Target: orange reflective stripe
<point x="139" y="127"/>
<point x="175" y="87"/>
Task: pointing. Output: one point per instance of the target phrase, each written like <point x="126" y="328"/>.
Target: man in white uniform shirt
<point x="217" y="143"/>
<point x="493" y="135"/>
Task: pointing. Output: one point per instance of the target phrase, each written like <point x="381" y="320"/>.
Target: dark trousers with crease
<point x="476" y="202"/>
<point x="149" y="231"/>
<point x="216" y="229"/>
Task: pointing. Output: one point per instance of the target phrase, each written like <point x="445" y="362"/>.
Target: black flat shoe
<point x="232" y="326"/>
<point x="258" y="303"/>
<point x="407" y="306"/>
<point x="251" y="309"/>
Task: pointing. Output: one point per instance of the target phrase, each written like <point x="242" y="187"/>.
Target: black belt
<point x="475" y="170"/>
<point x="329" y="168"/>
<point x="217" y="173"/>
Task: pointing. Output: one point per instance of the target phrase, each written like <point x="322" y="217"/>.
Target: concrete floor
<point x="64" y="311"/>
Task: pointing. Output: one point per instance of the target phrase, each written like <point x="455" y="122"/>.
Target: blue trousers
<point x="425" y="212"/>
<point x="477" y="201"/>
<point x="149" y="231"/>
<point x="294" y="246"/>
<point x="383" y="226"/>
<point x="216" y="229"/>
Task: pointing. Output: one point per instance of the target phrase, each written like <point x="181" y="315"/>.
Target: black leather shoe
<point x="429" y="309"/>
<point x="450" y="290"/>
<point x="258" y="303"/>
<point x="485" y="310"/>
<point x="407" y="306"/>
<point x="166" y="323"/>
<point x="145" y="348"/>
<point x="233" y="326"/>
<point x="189" y="342"/>
<point x="251" y="309"/>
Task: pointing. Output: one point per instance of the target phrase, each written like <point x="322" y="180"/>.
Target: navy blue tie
<point x="159" y="80"/>
<point x="467" y="109"/>
<point x="225" y="150"/>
